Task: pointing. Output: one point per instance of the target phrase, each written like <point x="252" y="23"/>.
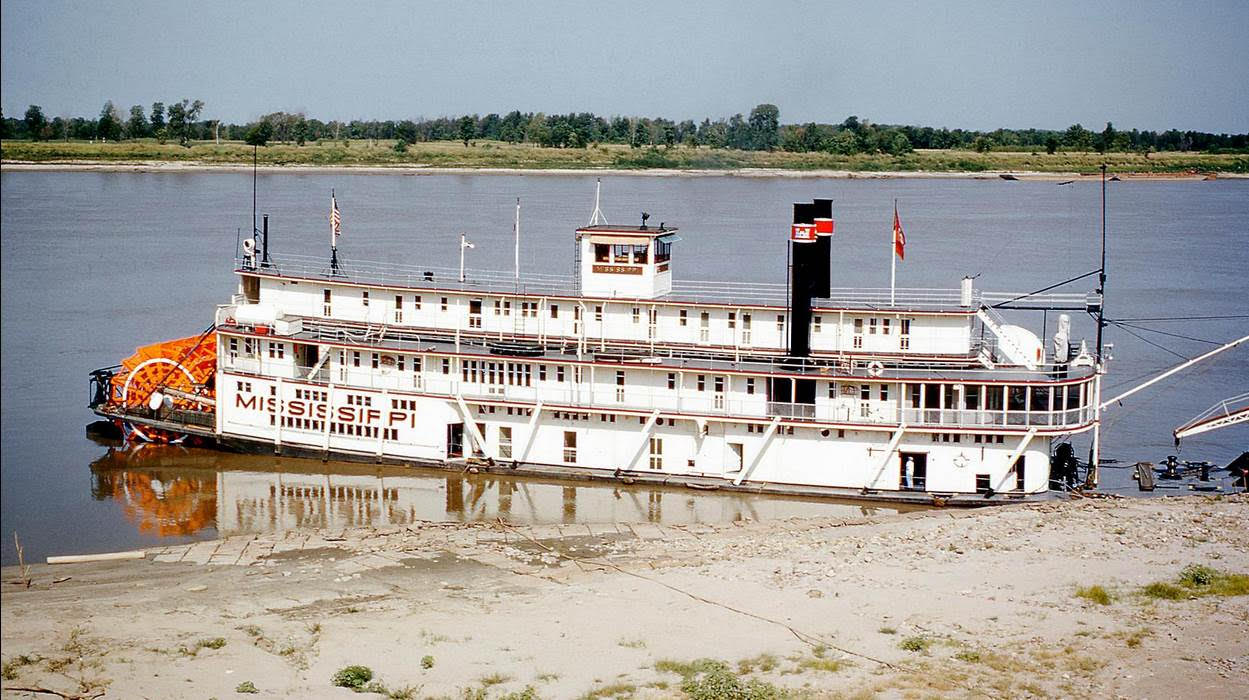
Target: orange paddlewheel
<point x="170" y="375"/>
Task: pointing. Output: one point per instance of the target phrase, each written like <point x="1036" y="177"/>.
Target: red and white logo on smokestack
<point x="802" y="233"/>
<point x="825" y="227"/>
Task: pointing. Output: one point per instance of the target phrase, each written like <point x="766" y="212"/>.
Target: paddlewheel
<point x="171" y="379"/>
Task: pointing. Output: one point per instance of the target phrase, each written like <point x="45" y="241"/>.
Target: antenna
<point x="645" y="216"/>
<point x="597" y="217"/>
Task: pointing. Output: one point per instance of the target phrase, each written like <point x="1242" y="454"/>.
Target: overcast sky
<point x="979" y="65"/>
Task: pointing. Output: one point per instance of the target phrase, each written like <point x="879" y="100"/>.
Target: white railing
<point x="716" y="291"/>
<point x="645" y="399"/>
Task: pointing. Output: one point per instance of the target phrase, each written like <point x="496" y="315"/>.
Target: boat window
<point x="1018" y="398"/>
<point x="620" y="253"/>
<point x="971" y="396"/>
<point x="950" y="396"/>
<point x="554" y="311"/>
<point x="364" y="298"/>
<point x="684" y="317"/>
<point x="663" y="251"/>
<point x="993" y="398"/>
<point x="1040" y="398"/>
<point x="672" y="380"/>
<point x="640" y="254"/>
<point x="602" y="252"/>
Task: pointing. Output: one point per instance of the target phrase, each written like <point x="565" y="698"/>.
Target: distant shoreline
<point x="413" y="170"/>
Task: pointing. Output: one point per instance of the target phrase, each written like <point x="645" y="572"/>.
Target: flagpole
<point x="893" y="255"/>
<point x="516" y="252"/>
<point x="333" y="235"/>
<point x="463" y="245"/>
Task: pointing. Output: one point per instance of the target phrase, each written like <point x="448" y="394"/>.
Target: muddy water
<point x="175" y="492"/>
<point x="95" y="264"/>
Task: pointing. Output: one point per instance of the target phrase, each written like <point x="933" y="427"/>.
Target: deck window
<point x="904" y="331"/>
<point x="657" y="453"/>
<point x="637" y="315"/>
<point x="570" y="447"/>
<point x="598" y="313"/>
<point x="398" y="309"/>
<point x="672" y="381"/>
<point x="750" y="385"/>
<point x="817" y="324"/>
<point x="325" y="303"/>
<point x="364" y="299"/>
<point x="554" y="311"/>
<point x="602" y="252"/>
<point x="416" y="301"/>
<point x="505" y="442"/>
<point x="444" y="303"/>
<point x="858" y="333"/>
<point x="684" y="318"/>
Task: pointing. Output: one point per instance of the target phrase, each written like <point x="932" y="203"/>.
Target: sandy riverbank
<point x="816" y="608"/>
<point x="184" y="167"/>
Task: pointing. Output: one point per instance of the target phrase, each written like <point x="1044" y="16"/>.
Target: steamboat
<point x="621" y="372"/>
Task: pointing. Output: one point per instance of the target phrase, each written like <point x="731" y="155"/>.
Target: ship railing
<point x="389" y="340"/>
<point x="425" y="276"/>
<point x="712" y="291"/>
<point x="608" y="397"/>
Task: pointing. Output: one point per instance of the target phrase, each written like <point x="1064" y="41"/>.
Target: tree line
<point x="760" y="130"/>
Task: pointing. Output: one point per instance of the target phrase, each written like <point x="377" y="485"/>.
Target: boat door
<point x="912" y="471"/>
<point x="455" y="440"/>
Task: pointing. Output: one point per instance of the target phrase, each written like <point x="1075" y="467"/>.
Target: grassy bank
<point x="495" y="154"/>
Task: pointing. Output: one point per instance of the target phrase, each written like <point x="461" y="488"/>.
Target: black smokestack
<point x="801" y="278"/>
<point x="823" y="219"/>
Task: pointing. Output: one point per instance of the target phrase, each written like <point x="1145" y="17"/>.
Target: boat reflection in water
<point x="173" y="491"/>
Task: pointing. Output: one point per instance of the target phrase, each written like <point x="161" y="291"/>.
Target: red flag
<point x="899" y="238"/>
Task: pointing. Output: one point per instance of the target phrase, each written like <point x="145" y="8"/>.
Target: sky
<point x="979" y="65"/>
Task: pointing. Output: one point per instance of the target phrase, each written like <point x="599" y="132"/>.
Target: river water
<point x="95" y="264"/>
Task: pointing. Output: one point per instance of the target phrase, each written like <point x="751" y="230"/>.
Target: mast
<point x="516" y="249"/>
<point x="1096" y="445"/>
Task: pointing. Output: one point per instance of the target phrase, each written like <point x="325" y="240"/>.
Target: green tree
<point x="982" y="144"/>
<point x="181" y="116"/>
<point x="300" y="129"/>
<point x="641" y="134"/>
<point x="158" y="116"/>
<point x="899" y="144"/>
<point x="844" y="142"/>
<point x="109" y="125"/>
<point x="765" y="127"/>
<point x="468" y="129"/>
<point x="35" y="121"/>
<point x="136" y="126"/>
<point x="1051" y="144"/>
<point x="1107" y="138"/>
<point x="1078" y="137"/>
<point x="259" y="133"/>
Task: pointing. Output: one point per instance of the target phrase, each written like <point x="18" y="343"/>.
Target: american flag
<point x="336" y="219"/>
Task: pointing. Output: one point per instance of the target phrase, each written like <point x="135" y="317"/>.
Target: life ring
<point x="875" y="368"/>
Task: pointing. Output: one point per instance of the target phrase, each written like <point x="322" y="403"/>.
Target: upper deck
<point x="736" y="294"/>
